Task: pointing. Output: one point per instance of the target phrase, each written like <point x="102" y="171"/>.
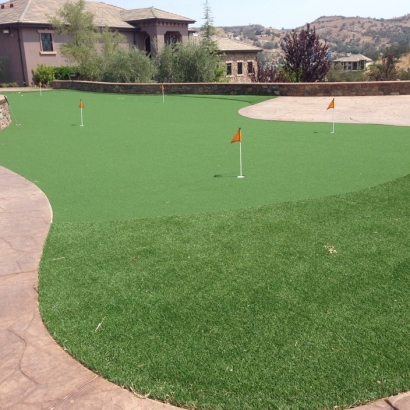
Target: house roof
<point x="36" y="11"/>
<point x="151" y="13"/>
<point x="228" y="45"/>
<point x="353" y="58"/>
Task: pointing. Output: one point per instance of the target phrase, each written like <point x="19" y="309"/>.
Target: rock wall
<point x="284" y="89"/>
<point x="4" y="113"/>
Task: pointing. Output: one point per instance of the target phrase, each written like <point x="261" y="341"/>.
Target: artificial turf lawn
<point x="241" y="309"/>
<point x="136" y="157"/>
<point x="234" y="308"/>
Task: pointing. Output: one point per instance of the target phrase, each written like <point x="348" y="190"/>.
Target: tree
<point x="188" y="62"/>
<point x="97" y="52"/>
<point x="72" y="20"/>
<point x="306" y="57"/>
<point x="386" y="71"/>
<point x="196" y="61"/>
<point x="207" y="28"/>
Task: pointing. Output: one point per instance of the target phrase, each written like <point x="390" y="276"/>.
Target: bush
<point x="129" y="65"/>
<point x="44" y="74"/>
<point x="63" y="72"/>
<point x="6" y="85"/>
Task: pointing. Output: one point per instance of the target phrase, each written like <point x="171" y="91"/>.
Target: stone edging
<point x="369" y="88"/>
<point x="4" y="113"/>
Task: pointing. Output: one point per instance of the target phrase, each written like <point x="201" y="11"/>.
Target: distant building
<point x="353" y="62"/>
<point x="27" y="39"/>
<point x="240" y="59"/>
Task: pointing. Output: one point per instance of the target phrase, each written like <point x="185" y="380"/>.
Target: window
<point x="46" y="42"/>
<point x="240" y="68"/>
<point x="250" y="67"/>
<point x="228" y="68"/>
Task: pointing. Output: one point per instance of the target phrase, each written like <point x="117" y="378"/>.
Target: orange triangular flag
<point x="332" y="104"/>
<point x="40" y="84"/>
<point x="162" y="87"/>
<point x="237" y="137"/>
<point x="81" y="104"/>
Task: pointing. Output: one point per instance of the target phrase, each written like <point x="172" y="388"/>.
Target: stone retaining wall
<point x="284" y="89"/>
<point x="4" y="113"/>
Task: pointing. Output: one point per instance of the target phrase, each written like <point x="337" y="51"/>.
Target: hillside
<point x="363" y="35"/>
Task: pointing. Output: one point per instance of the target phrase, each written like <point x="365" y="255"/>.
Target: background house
<point x="353" y="62"/>
<point x="27" y="39"/>
<point x="240" y="59"/>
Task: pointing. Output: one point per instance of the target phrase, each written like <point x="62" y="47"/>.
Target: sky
<point x="272" y="13"/>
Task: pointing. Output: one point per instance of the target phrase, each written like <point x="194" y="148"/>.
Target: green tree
<point x="72" y="20"/>
<point x="98" y="52"/>
<point x="188" y="62"/>
<point x="207" y="28"/>
<point x="306" y="57"/>
<point x="384" y="71"/>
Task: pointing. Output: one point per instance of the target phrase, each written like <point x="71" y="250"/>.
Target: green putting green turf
<point x="136" y="157"/>
<point x="168" y="275"/>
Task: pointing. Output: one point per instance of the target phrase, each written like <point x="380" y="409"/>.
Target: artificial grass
<point x="136" y="157"/>
<point x="242" y="309"/>
<point x="220" y="303"/>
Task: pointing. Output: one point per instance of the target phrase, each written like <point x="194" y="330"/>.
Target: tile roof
<point x="353" y="58"/>
<point x="229" y="45"/>
<point x="152" y="13"/>
<point x="36" y="11"/>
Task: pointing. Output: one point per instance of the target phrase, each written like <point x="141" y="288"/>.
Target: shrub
<point x="5" y="85"/>
<point x="44" y="74"/>
<point x="63" y="72"/>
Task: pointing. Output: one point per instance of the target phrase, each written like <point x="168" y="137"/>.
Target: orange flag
<point x="237" y="137"/>
<point x="162" y="87"/>
<point x="40" y="84"/>
<point x="331" y="105"/>
<point x="81" y="104"/>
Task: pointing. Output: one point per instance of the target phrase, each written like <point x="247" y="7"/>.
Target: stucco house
<point x="353" y="62"/>
<point x="240" y="59"/>
<point x="27" y="39"/>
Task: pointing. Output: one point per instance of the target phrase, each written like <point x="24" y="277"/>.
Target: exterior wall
<point x="284" y="89"/>
<point x="34" y="55"/>
<point x="4" y="113"/>
<point x="9" y="48"/>
<point x="20" y="67"/>
<point x="240" y="57"/>
<point x="353" y="65"/>
<point x="158" y="29"/>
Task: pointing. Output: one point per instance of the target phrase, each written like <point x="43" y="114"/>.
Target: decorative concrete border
<point x="369" y="88"/>
<point x="4" y="112"/>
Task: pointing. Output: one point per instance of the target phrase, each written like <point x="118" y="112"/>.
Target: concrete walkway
<point x="35" y="373"/>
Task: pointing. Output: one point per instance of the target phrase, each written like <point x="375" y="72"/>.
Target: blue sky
<point x="272" y="13"/>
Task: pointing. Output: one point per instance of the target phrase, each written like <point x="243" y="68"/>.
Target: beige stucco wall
<point x="20" y="67"/>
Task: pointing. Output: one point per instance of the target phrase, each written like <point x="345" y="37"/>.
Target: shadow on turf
<point x="224" y="176"/>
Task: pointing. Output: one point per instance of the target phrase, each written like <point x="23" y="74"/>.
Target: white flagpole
<point x="40" y="88"/>
<point x="81" y="110"/>
<point x="333" y="121"/>
<point x="240" y="160"/>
